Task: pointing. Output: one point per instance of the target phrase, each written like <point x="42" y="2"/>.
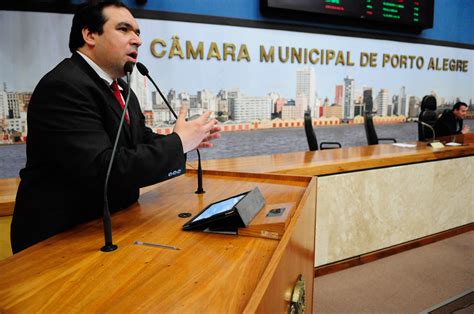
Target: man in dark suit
<point x="73" y="117"/>
<point x="451" y="121"/>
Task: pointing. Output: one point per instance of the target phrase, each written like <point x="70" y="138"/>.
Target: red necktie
<point x="117" y="94"/>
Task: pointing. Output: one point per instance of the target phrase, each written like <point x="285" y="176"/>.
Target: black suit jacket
<point x="447" y="124"/>
<point x="73" y="119"/>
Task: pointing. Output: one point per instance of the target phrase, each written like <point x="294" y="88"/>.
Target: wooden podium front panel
<point x="290" y="260"/>
<point x="210" y="272"/>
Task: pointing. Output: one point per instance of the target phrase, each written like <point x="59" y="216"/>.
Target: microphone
<point x="144" y="71"/>
<point x="429" y="127"/>
<point x="109" y="246"/>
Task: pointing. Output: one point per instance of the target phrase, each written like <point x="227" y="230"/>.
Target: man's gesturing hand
<point x="196" y="133"/>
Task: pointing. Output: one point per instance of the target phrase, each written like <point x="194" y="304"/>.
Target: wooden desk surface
<point x="8" y="188"/>
<point x="335" y="160"/>
<point x="210" y="273"/>
<point x="460" y="138"/>
<point x="467" y="138"/>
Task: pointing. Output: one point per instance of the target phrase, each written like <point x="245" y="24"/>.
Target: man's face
<point x="118" y="43"/>
<point x="460" y="113"/>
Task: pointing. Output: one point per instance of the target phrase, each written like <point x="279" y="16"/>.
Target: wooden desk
<point x="466" y="139"/>
<point x="210" y="272"/>
<point x="335" y="161"/>
<point x="8" y="188"/>
<point x="373" y="197"/>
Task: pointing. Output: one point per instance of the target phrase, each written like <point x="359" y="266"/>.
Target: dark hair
<point x="90" y="16"/>
<point x="458" y="105"/>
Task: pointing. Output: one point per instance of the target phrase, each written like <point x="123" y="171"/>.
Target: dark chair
<point x="311" y="136"/>
<point x="427" y="115"/>
<point x="442" y="129"/>
<point x="372" y="138"/>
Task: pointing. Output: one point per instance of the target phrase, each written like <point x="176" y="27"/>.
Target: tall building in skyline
<point x="24" y="100"/>
<point x="349" y="87"/>
<point x="207" y="100"/>
<point x="13" y="107"/>
<point x="277" y="104"/>
<point x="382" y="102"/>
<point x="277" y="109"/>
<point x="3" y="105"/>
<point x="395" y="108"/>
<point x="402" y="102"/>
<point x="368" y="100"/>
<point x="358" y="102"/>
<point x="297" y="110"/>
<point x="193" y="101"/>
<point x="338" y="99"/>
<point x="414" y="106"/>
<point x="9" y="105"/>
<point x="222" y="102"/>
<point x="289" y="110"/>
<point x="234" y="93"/>
<point x="250" y="108"/>
<point x="305" y="90"/>
<point x="389" y="109"/>
<point x="139" y="84"/>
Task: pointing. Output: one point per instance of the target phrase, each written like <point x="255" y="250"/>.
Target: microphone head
<point x="128" y="67"/>
<point x="142" y="69"/>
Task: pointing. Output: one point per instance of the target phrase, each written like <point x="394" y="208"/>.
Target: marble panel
<point x="364" y="211"/>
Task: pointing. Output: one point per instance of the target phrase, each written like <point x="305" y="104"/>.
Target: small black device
<point x="229" y="214"/>
<point x="275" y="212"/>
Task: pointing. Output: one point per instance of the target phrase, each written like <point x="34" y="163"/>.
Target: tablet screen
<point x="219" y="207"/>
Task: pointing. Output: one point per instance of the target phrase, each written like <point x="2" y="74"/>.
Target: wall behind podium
<point x="228" y="58"/>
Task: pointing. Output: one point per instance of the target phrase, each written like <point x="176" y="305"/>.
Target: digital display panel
<point x="417" y="14"/>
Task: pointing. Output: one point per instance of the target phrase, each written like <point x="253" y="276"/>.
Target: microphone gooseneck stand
<point x="429" y="127"/>
<point x="109" y="246"/>
<point x="144" y="71"/>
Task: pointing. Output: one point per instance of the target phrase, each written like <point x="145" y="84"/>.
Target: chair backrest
<point x="427" y="115"/>
<point x="442" y="129"/>
<point x="310" y="135"/>
<point x="370" y="133"/>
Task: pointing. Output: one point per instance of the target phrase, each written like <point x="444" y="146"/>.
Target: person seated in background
<point x="451" y="121"/>
<point x="73" y="118"/>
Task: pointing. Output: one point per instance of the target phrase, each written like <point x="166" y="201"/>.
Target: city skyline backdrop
<point x="26" y="59"/>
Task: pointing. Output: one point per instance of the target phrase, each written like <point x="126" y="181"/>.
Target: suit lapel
<point x="106" y="90"/>
<point x="131" y="113"/>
